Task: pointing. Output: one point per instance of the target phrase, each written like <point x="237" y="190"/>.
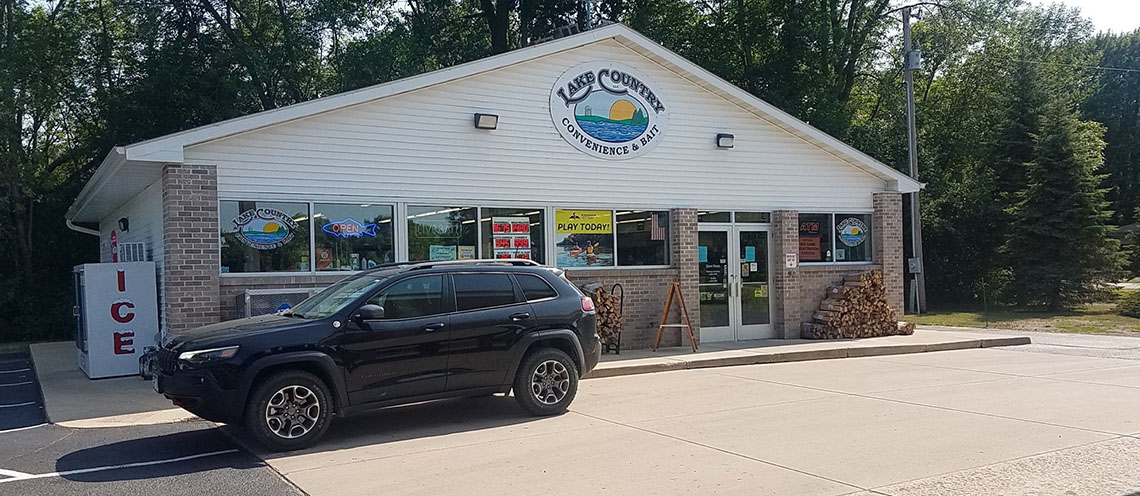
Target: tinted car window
<point x="482" y="290"/>
<point x="534" y="288"/>
<point x="415" y="297"/>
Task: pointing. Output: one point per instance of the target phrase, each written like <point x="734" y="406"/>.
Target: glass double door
<point x="734" y="282"/>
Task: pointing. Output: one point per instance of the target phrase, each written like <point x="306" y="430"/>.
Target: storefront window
<point x="703" y="216"/>
<point x="754" y="217"/>
<point x="583" y="238"/>
<point x="441" y="233"/>
<point x="513" y="233"/>
<point x="353" y="237"/>
<point x="264" y="236"/>
<point x="643" y="238"/>
<point x="815" y="238"/>
<point x="853" y="237"/>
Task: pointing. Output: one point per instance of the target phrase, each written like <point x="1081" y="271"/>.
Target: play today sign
<point x="583" y="221"/>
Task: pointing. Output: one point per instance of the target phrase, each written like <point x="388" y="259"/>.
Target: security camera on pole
<point x="912" y="60"/>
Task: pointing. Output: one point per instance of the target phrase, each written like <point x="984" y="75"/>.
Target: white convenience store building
<point x="602" y="152"/>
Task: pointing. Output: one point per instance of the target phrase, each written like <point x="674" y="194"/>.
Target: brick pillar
<point x="190" y="246"/>
<point x="684" y="234"/>
<point x="786" y="282"/>
<point x="887" y="239"/>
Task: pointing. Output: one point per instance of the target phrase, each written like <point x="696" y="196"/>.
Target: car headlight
<point x="210" y="355"/>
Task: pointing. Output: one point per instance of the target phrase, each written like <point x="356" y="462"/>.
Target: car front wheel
<point x="289" y="411"/>
<point x="546" y="382"/>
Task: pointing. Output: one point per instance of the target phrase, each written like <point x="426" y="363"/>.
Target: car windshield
<point x="334" y="298"/>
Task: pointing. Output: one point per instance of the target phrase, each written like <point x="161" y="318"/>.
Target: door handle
<point x="520" y="316"/>
<point x="434" y="327"/>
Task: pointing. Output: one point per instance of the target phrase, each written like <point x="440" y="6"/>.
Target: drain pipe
<point x="81" y="229"/>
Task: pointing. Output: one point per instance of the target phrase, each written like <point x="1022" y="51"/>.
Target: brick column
<point x="785" y="282"/>
<point x="684" y="233"/>
<point x="887" y="239"/>
<point x="190" y="246"/>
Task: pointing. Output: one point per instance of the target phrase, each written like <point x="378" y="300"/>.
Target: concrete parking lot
<point x="986" y="421"/>
<point x="1014" y="420"/>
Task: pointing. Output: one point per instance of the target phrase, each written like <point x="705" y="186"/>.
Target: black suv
<point x="396" y="334"/>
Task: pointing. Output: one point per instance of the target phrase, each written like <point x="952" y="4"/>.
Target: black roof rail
<point x="516" y="262"/>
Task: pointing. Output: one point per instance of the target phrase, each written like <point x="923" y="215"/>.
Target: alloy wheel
<point x="292" y="412"/>
<point x="550" y="382"/>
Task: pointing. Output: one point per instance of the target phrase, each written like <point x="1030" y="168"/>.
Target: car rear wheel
<point x="546" y="382"/>
<point x="288" y="411"/>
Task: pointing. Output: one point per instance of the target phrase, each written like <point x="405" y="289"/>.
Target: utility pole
<point x="912" y="60"/>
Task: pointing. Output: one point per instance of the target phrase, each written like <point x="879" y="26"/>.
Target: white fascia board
<point x="106" y="170"/>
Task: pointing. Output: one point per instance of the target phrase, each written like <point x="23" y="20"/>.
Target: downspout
<point x="81" y="229"/>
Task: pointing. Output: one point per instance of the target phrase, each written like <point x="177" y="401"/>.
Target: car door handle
<point x="434" y="327"/>
<point x="520" y="316"/>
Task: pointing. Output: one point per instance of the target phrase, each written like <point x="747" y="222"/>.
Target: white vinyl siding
<point x="144" y="212"/>
<point x="421" y="147"/>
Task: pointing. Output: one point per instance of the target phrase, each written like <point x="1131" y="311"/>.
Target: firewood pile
<point x="608" y="307"/>
<point x="857" y="309"/>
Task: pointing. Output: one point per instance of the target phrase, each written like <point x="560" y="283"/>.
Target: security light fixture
<point x="124" y="224"/>
<point x="724" y="140"/>
<point x="486" y="121"/>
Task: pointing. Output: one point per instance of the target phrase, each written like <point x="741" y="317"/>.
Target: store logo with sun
<point x="608" y="110"/>
<point x="264" y="228"/>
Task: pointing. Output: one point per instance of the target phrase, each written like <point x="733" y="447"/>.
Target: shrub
<point x="1129" y="304"/>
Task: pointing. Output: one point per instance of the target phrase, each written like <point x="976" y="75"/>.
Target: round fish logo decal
<point x="264" y="228"/>
<point x="852" y="231"/>
<point x="608" y="110"/>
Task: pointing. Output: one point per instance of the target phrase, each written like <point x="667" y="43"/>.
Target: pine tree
<point x="1059" y="248"/>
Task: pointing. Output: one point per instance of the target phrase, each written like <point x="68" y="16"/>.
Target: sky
<point x="1115" y="15"/>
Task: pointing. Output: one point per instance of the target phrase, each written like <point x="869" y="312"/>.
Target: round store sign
<point x="608" y="110"/>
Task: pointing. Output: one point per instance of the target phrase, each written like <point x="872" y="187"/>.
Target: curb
<point x="802" y="356"/>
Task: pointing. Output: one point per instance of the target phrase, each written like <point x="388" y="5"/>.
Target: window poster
<point x="441" y="252"/>
<point x="584" y="238"/>
<point x="510" y="237"/>
<point x="466" y="252"/>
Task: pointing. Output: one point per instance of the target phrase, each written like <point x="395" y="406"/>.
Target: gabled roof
<point x="169" y="149"/>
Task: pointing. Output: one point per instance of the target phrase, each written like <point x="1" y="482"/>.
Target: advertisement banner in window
<point x="510" y="237"/>
<point x="441" y="252"/>
<point x="584" y="238"/>
<point x="852" y="231"/>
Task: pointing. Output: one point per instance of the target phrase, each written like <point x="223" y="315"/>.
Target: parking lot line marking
<point x="16" y="384"/>
<point x="116" y="467"/>
<point x="14" y="405"/>
<point x="12" y="473"/>
<point x="23" y="428"/>
<point x="13" y="371"/>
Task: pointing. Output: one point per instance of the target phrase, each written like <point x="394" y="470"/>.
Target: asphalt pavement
<point x="20" y="402"/>
<point x="191" y="458"/>
<point x="187" y="458"/>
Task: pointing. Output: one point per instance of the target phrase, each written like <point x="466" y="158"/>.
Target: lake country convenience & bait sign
<point x="608" y="110"/>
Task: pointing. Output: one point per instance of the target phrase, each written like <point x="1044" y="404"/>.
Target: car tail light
<point x="587" y="304"/>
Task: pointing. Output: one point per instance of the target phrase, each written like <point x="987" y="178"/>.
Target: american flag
<point x="657" y="227"/>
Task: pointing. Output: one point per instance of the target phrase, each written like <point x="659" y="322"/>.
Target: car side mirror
<point x="368" y="312"/>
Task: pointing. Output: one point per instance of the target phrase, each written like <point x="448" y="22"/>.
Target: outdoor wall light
<point x="124" y="224"/>
<point x="486" y="121"/>
<point x="724" y="140"/>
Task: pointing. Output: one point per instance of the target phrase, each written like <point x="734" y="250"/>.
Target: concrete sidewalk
<point x="73" y="400"/>
<point x="791" y="350"/>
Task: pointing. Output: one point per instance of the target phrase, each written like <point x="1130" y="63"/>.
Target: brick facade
<point x="646" y="289"/>
<point x="887" y="237"/>
<point x="798" y="290"/>
<point x="190" y="246"/>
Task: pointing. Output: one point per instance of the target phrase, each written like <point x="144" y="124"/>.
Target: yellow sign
<point x="583" y="221"/>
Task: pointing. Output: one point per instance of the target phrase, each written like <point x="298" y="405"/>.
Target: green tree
<point x="1059" y="246"/>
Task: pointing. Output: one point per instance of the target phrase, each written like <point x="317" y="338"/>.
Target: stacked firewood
<point x="857" y="309"/>
<point x="608" y="307"/>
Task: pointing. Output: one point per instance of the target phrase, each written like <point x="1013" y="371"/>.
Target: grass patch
<point x="14" y="347"/>
<point x="1097" y="318"/>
